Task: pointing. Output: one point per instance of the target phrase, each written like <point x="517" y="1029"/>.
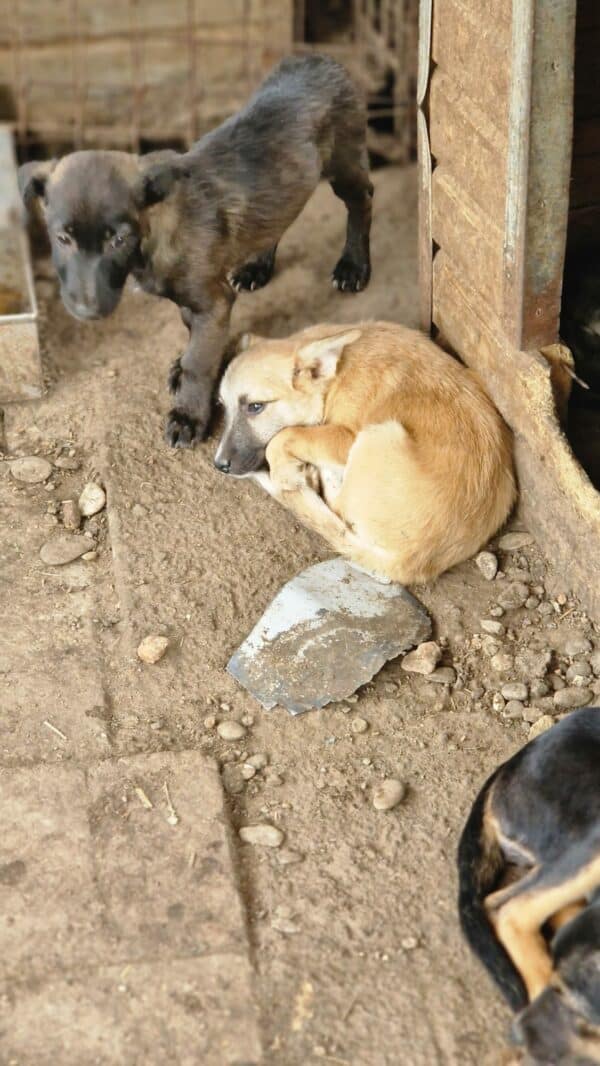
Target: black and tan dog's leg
<point x="519" y="912"/>
<point x="192" y="376"/>
<point x="353" y="269"/>
<point x="254" y="274"/>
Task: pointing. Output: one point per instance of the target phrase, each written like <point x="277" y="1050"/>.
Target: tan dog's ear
<point x="32" y="178"/>
<point x="319" y="359"/>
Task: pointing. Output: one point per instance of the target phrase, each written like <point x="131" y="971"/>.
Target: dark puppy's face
<point x="92" y="222"/>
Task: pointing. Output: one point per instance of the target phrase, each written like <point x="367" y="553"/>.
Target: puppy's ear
<point x="156" y="182"/>
<point x="319" y="359"/>
<point x="32" y="178"/>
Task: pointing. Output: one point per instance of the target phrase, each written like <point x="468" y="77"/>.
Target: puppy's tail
<point x="480" y="861"/>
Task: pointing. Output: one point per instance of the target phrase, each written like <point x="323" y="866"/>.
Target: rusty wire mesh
<point x="132" y="73"/>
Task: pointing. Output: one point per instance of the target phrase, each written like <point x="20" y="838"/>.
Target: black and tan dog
<point x="198" y="226"/>
<point x="529" y="900"/>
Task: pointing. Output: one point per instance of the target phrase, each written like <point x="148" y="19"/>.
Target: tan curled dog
<point x="413" y="460"/>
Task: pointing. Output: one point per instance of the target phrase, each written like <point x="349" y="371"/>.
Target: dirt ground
<point x="351" y="930"/>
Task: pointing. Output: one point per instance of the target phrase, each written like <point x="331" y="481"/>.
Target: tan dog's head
<point x="273" y="384"/>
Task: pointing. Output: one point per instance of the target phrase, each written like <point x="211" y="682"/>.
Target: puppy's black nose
<point x="224" y="465"/>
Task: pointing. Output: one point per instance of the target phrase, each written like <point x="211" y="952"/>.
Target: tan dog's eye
<point x="255" y="408"/>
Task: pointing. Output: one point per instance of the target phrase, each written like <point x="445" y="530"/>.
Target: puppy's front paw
<point x="288" y="477"/>
<point x="182" y="430"/>
<point x="175" y="375"/>
<point x="351" y="276"/>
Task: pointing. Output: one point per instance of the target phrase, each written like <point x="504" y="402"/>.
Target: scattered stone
<point x="210" y="721"/>
<point x="538" y="688"/>
<point x="423" y="660"/>
<point x="67" y="463"/>
<point x="498" y="701"/>
<point x="89" y="557"/>
<point x="595" y="662"/>
<point x="409" y="943"/>
<point x="258" y="761"/>
<point x="92" y="499"/>
<point x="443" y="675"/>
<point x="274" y="779"/>
<point x="576" y="645"/>
<point x="545" y="608"/>
<point x="152" y="648"/>
<point x="71" y="515"/>
<point x="545" y="705"/>
<point x="511" y="542"/>
<point x="359" y="725"/>
<point x="387" y="794"/>
<point x="532" y="602"/>
<point x="490" y="645"/>
<point x="513" y="595"/>
<point x="495" y="628"/>
<point x="265" y="836"/>
<point x="282" y="924"/>
<point x="542" y="724"/>
<point x="247" y="720"/>
<point x="569" y="698"/>
<point x="502" y="662"/>
<point x="514" y="690"/>
<point x="514" y="709"/>
<point x="231" y="730"/>
<point x="248" y="772"/>
<point x="287" y="857"/>
<point x="496" y="611"/>
<point x="62" y="549"/>
<point x="31" y="470"/>
<point x="531" y="714"/>
<point x="487" y="564"/>
<point x="578" y="669"/>
<point x="557" y="682"/>
<point x="233" y="779"/>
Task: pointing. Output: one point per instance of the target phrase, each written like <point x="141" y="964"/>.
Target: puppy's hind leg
<point x="351" y="183"/>
<point x="255" y="274"/>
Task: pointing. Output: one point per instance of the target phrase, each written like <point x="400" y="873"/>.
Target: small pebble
<point x="495" y="628"/>
<point x="545" y="608"/>
<point x="231" y="730"/>
<point x="258" y="761"/>
<point x="152" y="648"/>
<point x="569" y="698"/>
<point x="511" y="542"/>
<point x="576" y="646"/>
<point x="284" y="925"/>
<point x="514" y="690"/>
<point x="531" y="714"/>
<point x="540" y="726"/>
<point x="248" y="772"/>
<point x="71" y="515"/>
<point x="423" y="660"/>
<point x="247" y="720"/>
<point x="90" y="557"/>
<point x="62" y="549"/>
<point x="31" y="470"/>
<point x="497" y="611"/>
<point x="532" y="602"/>
<point x="266" y="836"/>
<point x="487" y="564"/>
<point x="498" y="701"/>
<point x="538" y="688"/>
<point x="513" y="709"/>
<point x="557" y="682"/>
<point x="67" y="463"/>
<point x="92" y="499"/>
<point x="409" y="943"/>
<point x="210" y="721"/>
<point x="502" y="662"/>
<point x="387" y="794"/>
<point x="359" y="725"/>
<point x="578" y="668"/>
<point x="443" y="675"/>
<point x="233" y="781"/>
<point x="288" y="857"/>
<point x="595" y="662"/>
<point x="274" y="779"/>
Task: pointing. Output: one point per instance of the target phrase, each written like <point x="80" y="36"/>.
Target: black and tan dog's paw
<point x="350" y="275"/>
<point x="182" y="430"/>
<point x="174" y="377"/>
<point x="253" y="275"/>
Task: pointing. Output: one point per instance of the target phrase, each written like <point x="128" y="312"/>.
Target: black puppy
<point x="529" y="896"/>
<point x="194" y="227"/>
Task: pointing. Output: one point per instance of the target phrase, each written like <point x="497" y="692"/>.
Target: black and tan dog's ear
<point x="32" y="178"/>
<point x="156" y="182"/>
<point x="319" y="359"/>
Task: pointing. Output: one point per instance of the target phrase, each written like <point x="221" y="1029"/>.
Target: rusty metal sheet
<point x="470" y="43"/>
<point x="468" y="237"/>
<point x="465" y="141"/>
<point x="557" y="499"/>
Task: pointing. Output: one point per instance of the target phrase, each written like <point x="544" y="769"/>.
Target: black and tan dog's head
<point x="273" y="384"/>
<point x="92" y="202"/>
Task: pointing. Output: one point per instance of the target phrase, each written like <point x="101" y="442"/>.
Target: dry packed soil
<point x="133" y="945"/>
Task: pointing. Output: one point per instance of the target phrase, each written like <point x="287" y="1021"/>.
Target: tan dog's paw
<point x="287" y="473"/>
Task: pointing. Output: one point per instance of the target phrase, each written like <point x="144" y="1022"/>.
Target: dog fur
<point x="197" y="227"/>
<point x="414" y="461"/>
<point x="529" y="896"/>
